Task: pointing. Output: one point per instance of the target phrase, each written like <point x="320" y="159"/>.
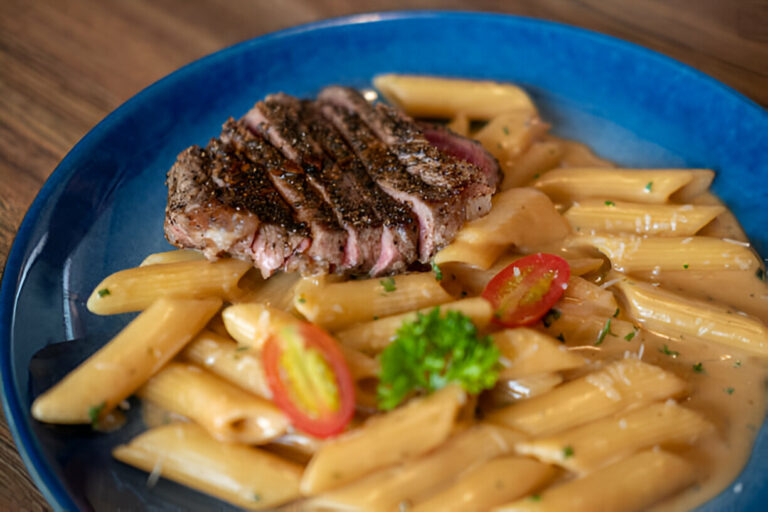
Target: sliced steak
<point x="437" y="208"/>
<point x="328" y="237"/>
<point x="413" y="149"/>
<point x="464" y="149"/>
<point x="222" y="204"/>
<point x="280" y="116"/>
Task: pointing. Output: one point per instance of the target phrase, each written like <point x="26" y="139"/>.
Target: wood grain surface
<point x="65" y="64"/>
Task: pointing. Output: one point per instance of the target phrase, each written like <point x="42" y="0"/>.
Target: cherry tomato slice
<point x="525" y="290"/>
<point x="309" y="379"/>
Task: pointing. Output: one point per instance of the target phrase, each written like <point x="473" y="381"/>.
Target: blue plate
<point x="102" y="209"/>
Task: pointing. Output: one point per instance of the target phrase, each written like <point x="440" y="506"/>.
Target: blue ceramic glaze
<point x="102" y="208"/>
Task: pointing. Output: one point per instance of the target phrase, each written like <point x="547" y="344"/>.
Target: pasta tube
<point x="276" y="292"/>
<point x="114" y="372"/>
<point x="336" y="305"/>
<point x="136" y="288"/>
<point x="676" y="317"/>
<point x="176" y="256"/>
<point x="576" y="154"/>
<point x="584" y="449"/>
<point x="540" y="157"/>
<point x="526" y="352"/>
<point x="594" y="396"/>
<point x="412" y="481"/>
<point x="492" y="483"/>
<point x="627" y="486"/>
<point x="183" y="452"/>
<point x="509" y="134"/>
<point x="593" y="216"/>
<point x="634" y="254"/>
<point x="227" y="412"/>
<point x="426" y="96"/>
<point x="637" y="185"/>
<point x="251" y="324"/>
<point x="396" y="436"/>
<point x="375" y="336"/>
<point x="239" y="365"/>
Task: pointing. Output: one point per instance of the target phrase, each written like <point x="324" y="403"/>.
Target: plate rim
<point x="50" y="486"/>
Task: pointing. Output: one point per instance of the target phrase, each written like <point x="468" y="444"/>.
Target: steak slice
<point x="222" y="204"/>
<point x="413" y="149"/>
<point x="280" y="116"/>
<point x="437" y="208"/>
<point x="290" y="180"/>
<point x="465" y="149"/>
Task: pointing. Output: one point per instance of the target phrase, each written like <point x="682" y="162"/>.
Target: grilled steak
<point x="223" y="204"/>
<point x="336" y="185"/>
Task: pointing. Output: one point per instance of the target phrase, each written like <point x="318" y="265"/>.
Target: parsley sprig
<point x="433" y="351"/>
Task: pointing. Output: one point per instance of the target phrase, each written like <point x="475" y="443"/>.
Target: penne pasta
<point x="492" y="483"/>
<point x="509" y="391"/>
<point x="251" y="324"/>
<point x="526" y="352"/>
<point x="653" y="186"/>
<point x="586" y="298"/>
<point x="586" y="448"/>
<point x="459" y="124"/>
<point x="400" y="486"/>
<point x="336" y="305"/>
<point x="592" y="216"/>
<point x="634" y="254"/>
<point x="227" y="412"/>
<point x="627" y="486"/>
<point x="120" y="367"/>
<point x="393" y="437"/>
<point x="238" y="364"/>
<point x="372" y="337"/>
<point x="246" y="477"/>
<point x="540" y="157"/>
<point x="620" y="384"/>
<point x="276" y="292"/>
<point x="136" y="288"/>
<point x="677" y="317"/>
<point x="576" y="154"/>
<point x="509" y="134"/>
<point x="445" y="98"/>
<point x="522" y="217"/>
<point x="176" y="256"/>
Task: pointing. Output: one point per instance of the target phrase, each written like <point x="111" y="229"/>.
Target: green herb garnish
<point x="536" y="176"/>
<point x="729" y="390"/>
<point x="437" y="271"/>
<point x="610" y="203"/>
<point x="433" y="351"/>
<point x="737" y="364"/>
<point x="568" y="452"/>
<point x="104" y="292"/>
<point x="616" y="313"/>
<point x="631" y="335"/>
<point x="760" y="274"/>
<point x="94" y="413"/>
<point x="551" y="316"/>
<point x="648" y="186"/>
<point x="242" y="348"/>
<point x="561" y="338"/>
<point x="505" y="130"/>
<point x="698" y="368"/>
<point x="301" y="300"/>
<point x="666" y="351"/>
<point x="685" y="266"/>
<point x="388" y="284"/>
<point x="534" y="497"/>
<point x="605" y="331"/>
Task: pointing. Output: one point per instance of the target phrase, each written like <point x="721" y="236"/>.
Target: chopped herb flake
<point x="561" y="338"/>
<point x="616" y="313"/>
<point x="698" y="368"/>
<point x="737" y="364"/>
<point x="534" y="497"/>
<point x="631" y="335"/>
<point x="242" y="348"/>
<point x="375" y="317"/>
<point x="505" y="130"/>
<point x="551" y="316"/>
<point x="94" y="412"/>
<point x="729" y="390"/>
<point x="605" y="331"/>
<point x="568" y="452"/>
<point x="610" y="203"/>
<point x="648" y="186"/>
<point x="760" y="273"/>
<point x="437" y="271"/>
<point x="536" y="176"/>
<point x="302" y="300"/>
<point x="666" y="351"/>
<point x="388" y="284"/>
<point x="685" y="266"/>
<point x="256" y="496"/>
<point x="104" y="292"/>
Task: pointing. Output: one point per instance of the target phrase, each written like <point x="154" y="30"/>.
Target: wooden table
<point x="65" y="64"/>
